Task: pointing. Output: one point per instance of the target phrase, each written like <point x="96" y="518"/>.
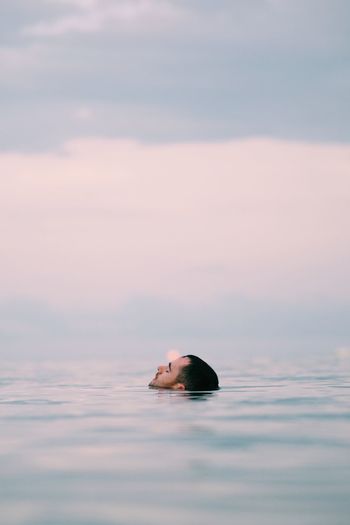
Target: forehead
<point x="180" y="362"/>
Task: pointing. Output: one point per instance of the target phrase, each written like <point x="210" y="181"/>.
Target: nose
<point x="161" y="369"/>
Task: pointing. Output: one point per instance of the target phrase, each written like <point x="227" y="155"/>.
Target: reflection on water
<point x="198" y="396"/>
<point x="91" y="444"/>
<point x="180" y="395"/>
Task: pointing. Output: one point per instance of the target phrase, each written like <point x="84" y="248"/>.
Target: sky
<point x="174" y="175"/>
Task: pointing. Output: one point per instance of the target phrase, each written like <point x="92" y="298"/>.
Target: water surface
<point x="87" y="443"/>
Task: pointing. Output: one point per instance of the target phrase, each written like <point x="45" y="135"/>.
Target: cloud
<point x="242" y="22"/>
<point x="109" y="220"/>
<point x="95" y="16"/>
<point x="172" y="160"/>
<point x="17" y="64"/>
<point x="83" y="113"/>
<point x="241" y="245"/>
<point x="173" y="71"/>
<point x="232" y="324"/>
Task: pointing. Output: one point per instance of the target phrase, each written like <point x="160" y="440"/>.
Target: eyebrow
<point x="170" y="366"/>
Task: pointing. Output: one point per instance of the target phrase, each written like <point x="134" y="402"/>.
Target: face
<point x="166" y="376"/>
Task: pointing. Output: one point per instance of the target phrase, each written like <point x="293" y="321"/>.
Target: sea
<point x="88" y="443"/>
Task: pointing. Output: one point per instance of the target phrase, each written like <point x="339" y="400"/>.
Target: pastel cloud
<point x="176" y="71"/>
<point x="107" y="221"/>
<point x="151" y="207"/>
<point x="93" y="16"/>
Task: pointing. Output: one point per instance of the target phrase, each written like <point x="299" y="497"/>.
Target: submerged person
<point x="188" y="372"/>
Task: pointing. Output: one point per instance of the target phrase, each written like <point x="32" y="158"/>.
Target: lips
<point x="153" y="380"/>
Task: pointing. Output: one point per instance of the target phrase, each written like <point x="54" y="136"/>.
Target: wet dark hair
<point x="198" y="375"/>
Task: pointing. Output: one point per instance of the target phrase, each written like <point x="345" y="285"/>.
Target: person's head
<point x="188" y="372"/>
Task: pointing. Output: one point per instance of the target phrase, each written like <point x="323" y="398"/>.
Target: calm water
<point x="90" y="444"/>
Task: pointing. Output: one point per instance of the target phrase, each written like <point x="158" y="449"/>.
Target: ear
<point x="179" y="386"/>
